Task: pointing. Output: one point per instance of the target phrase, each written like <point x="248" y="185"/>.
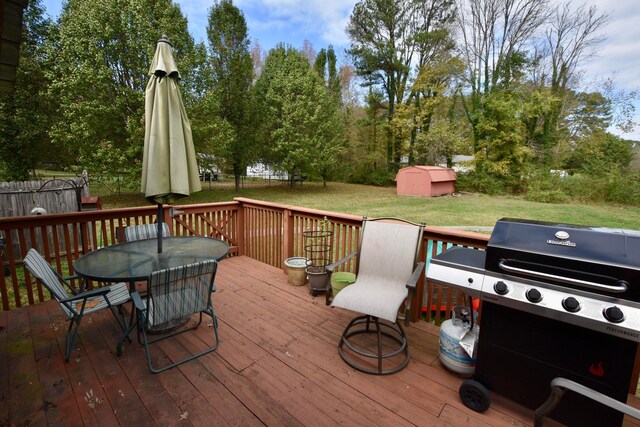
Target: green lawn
<point x="463" y="210"/>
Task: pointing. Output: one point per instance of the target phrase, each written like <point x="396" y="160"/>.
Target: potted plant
<point x="318" y="244"/>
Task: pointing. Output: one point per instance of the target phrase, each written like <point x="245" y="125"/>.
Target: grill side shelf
<point x="461" y="268"/>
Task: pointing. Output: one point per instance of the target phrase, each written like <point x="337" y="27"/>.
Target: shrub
<point x="547" y="196"/>
<point x="480" y="182"/>
<point x="377" y="177"/>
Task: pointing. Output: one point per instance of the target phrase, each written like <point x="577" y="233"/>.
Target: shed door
<point x="416" y="184"/>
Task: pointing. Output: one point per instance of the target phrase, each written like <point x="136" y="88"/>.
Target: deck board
<point x="277" y="365"/>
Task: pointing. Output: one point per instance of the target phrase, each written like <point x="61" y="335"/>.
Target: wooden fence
<point x="54" y="195"/>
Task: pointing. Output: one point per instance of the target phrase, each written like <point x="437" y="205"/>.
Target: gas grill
<point x="558" y="300"/>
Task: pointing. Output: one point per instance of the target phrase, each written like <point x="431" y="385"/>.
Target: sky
<point x="323" y="22"/>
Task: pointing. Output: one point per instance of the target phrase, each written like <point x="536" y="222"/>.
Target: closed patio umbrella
<point x="169" y="167"/>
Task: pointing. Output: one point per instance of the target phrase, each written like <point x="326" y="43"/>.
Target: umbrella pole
<point x="160" y="221"/>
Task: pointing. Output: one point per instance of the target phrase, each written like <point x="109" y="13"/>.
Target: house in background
<point x="461" y="163"/>
<point x="426" y="181"/>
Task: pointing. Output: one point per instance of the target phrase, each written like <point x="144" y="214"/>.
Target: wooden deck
<point x="277" y="365"/>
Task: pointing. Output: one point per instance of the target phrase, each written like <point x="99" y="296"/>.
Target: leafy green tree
<point x="104" y="50"/>
<point x="572" y="37"/>
<point x="389" y="40"/>
<point x="494" y="36"/>
<point x="431" y="102"/>
<point x="332" y="126"/>
<point x="299" y="122"/>
<point x="25" y="113"/>
<point x="600" y="152"/>
<point x="232" y="68"/>
<point x="502" y="151"/>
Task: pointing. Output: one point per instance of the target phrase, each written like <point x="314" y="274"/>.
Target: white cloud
<point x="320" y="21"/>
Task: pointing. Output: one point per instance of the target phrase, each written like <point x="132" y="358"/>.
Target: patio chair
<point x="387" y="274"/>
<point x="174" y="294"/>
<point x="77" y="304"/>
<point x="144" y="231"/>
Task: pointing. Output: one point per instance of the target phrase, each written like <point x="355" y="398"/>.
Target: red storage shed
<point x="427" y="181"/>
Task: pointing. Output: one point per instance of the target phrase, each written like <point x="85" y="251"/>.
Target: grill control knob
<point x="501" y="288"/>
<point x="571" y="305"/>
<point x="613" y="314"/>
<point x="534" y="295"/>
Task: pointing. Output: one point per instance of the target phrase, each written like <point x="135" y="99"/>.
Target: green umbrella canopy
<point x="169" y="166"/>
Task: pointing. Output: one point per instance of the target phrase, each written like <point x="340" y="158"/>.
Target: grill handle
<point x="621" y="287"/>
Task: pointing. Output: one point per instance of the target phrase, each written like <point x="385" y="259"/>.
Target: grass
<point x="469" y="210"/>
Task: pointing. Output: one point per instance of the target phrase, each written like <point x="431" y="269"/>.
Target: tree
<point x="432" y="109"/>
<point x="389" y="39"/>
<point x="599" y="153"/>
<point x="571" y="39"/>
<point x="104" y="50"/>
<point x="502" y="152"/>
<point x="25" y="113"/>
<point x="233" y="75"/>
<point x="333" y="125"/>
<point x="297" y="127"/>
<point x="494" y="34"/>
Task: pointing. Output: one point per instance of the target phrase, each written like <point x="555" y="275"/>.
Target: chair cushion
<point x="175" y="305"/>
<point x="376" y="299"/>
<point x="118" y="294"/>
<point x="386" y="261"/>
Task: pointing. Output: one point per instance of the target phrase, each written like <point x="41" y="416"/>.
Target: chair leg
<point x="363" y="325"/>
<point x="147" y="343"/>
<point x="71" y="336"/>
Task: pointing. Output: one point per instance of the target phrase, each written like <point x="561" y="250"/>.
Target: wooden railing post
<point x="167" y="218"/>
<point x="241" y="231"/>
<point x="288" y="234"/>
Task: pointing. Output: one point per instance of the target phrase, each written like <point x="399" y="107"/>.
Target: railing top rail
<point x="314" y="212"/>
<point x="456" y="236"/>
<point x="104" y="214"/>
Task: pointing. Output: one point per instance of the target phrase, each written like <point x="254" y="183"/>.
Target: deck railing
<point x="268" y="232"/>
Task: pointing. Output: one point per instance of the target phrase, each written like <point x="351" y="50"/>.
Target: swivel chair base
<point x="379" y="330"/>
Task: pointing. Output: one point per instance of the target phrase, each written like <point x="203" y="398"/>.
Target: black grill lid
<point x="587" y="253"/>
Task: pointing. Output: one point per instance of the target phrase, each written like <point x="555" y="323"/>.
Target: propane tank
<point x="457" y="342"/>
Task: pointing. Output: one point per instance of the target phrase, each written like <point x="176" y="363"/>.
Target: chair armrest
<point x="137" y="301"/>
<point x="559" y="385"/>
<point x="88" y="294"/>
<point x="415" y="276"/>
<point x="81" y="288"/>
<point x="333" y="266"/>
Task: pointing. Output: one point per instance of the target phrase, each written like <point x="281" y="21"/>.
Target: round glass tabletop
<point x="134" y="261"/>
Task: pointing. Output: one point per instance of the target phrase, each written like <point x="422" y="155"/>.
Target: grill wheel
<point x="475" y="396"/>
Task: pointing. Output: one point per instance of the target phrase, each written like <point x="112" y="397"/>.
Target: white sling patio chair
<point x="76" y="304"/>
<point x="174" y="294"/>
<point x="387" y="274"/>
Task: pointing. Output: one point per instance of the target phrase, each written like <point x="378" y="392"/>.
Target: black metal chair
<point x="387" y="274"/>
<point x="173" y="295"/>
<point x="76" y="304"/>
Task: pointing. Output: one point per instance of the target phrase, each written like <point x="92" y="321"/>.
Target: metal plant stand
<point x="318" y="245"/>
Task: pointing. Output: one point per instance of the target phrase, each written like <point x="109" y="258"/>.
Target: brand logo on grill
<point x="623" y="332"/>
<point x="563" y="240"/>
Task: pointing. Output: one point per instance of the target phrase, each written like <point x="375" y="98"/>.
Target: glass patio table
<point x="136" y="260"/>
